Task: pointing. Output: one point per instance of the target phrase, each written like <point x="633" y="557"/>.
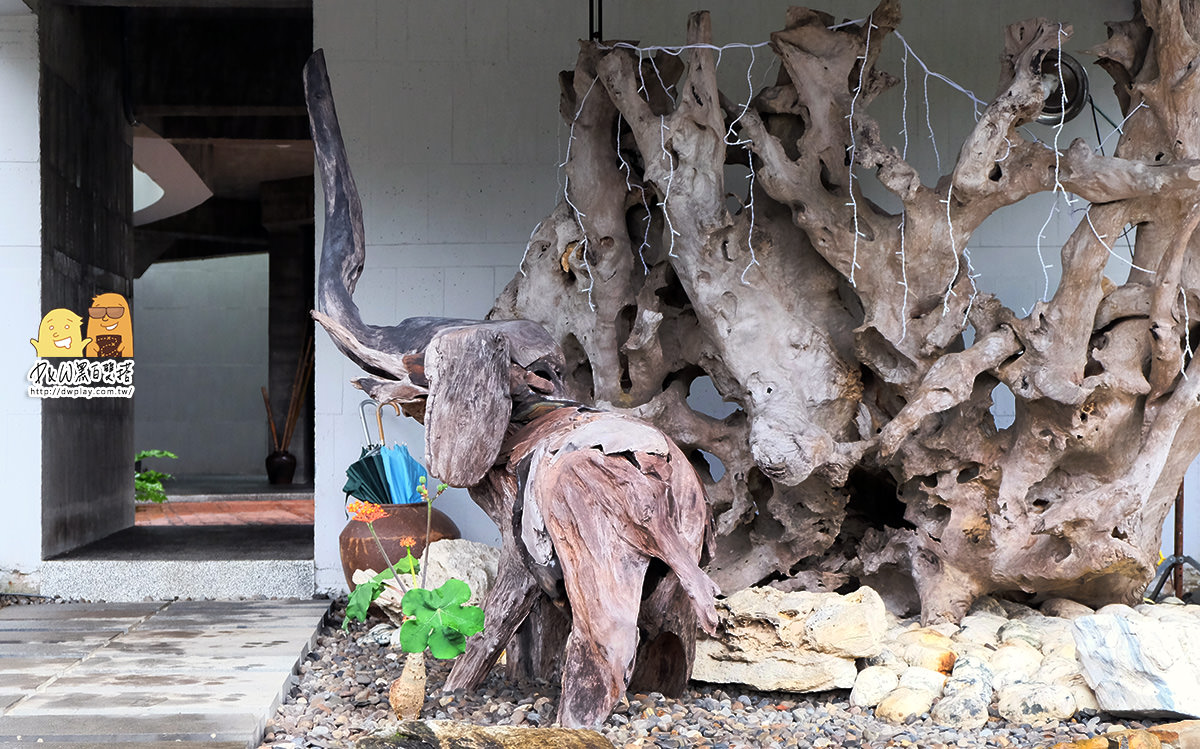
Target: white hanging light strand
<point x="750" y="231"/>
<point x="1062" y="121"/>
<point x="591" y="275"/>
<point x="1059" y="188"/>
<point x="1087" y="214"/>
<point x="903" y="280"/>
<point x="662" y="141"/>
<point x="975" y="100"/>
<point x="1038" y="246"/>
<point x="862" y="68"/>
<point x="528" y="244"/>
<point x="958" y="264"/>
<point x="1120" y="127"/>
<point x="677" y="50"/>
<point x="630" y="187"/>
<point x="904" y="110"/>
<point x="1186" y="354"/>
<point x="579" y="215"/>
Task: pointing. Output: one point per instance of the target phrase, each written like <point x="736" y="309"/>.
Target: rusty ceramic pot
<point x="359" y="550"/>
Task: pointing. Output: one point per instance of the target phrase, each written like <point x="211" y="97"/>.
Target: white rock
<point x="887" y="656"/>
<point x="1013" y="662"/>
<point x="1138" y="665"/>
<point x="1016" y="610"/>
<point x="1065" y="608"/>
<point x="963" y="711"/>
<point x="903" y="704"/>
<point x="872" y="685"/>
<point x="971" y="672"/>
<point x="925" y="679"/>
<point x="470" y="561"/>
<point x="783" y="668"/>
<point x="1035" y="703"/>
<point x="1165" y="612"/>
<point x="981" y="628"/>
<point x="973" y="650"/>
<point x="1054" y="669"/>
<point x="1085" y="698"/>
<point x="791" y="641"/>
<point x="988" y="605"/>
<point x="928" y="648"/>
<point x="1116" y="609"/>
<point x="1064" y="649"/>
<point x="1018" y="629"/>
<point x="851" y="625"/>
<point x="1058" y="638"/>
<point x="948" y="629"/>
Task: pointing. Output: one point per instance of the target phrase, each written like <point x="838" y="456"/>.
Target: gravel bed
<point x="341" y="695"/>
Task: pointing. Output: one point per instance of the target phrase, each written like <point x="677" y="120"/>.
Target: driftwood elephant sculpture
<point x="603" y="520"/>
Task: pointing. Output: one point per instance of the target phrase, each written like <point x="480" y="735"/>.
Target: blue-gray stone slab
<point x="198" y="673"/>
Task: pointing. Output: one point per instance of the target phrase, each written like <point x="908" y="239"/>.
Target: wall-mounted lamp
<point x="1066" y="87"/>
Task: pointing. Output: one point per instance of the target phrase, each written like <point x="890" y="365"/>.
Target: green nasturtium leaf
<point x="408" y="564"/>
<point x="438" y="620"/>
<point x="363" y="595"/>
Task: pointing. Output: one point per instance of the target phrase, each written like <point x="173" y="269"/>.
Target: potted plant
<point x="388" y="476"/>
<point x="436" y="620"/>
<point x="148" y="483"/>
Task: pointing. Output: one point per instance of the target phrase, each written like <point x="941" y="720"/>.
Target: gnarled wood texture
<point x="601" y="515"/>
<point x="863" y="424"/>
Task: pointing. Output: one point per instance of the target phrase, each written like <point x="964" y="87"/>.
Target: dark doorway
<point x="219" y="82"/>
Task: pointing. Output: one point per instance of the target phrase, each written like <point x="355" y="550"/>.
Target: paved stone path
<point x="151" y="674"/>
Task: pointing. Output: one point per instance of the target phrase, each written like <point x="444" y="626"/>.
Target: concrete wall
<point x="20" y="287"/>
<point x="201" y="333"/>
<point x="450" y="111"/>
<point x="87" y="249"/>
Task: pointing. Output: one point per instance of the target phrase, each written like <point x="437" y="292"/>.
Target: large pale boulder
<point x="470" y="561"/>
<point x="791" y="641"/>
<point x="1139" y="665"/>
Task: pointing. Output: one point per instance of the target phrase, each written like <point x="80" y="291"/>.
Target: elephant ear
<point x="469" y="402"/>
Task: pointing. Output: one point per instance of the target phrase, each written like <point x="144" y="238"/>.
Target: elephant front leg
<point x="605" y="595"/>
<point x="506" y="606"/>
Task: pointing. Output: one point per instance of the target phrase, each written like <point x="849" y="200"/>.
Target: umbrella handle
<point x="362" y="415"/>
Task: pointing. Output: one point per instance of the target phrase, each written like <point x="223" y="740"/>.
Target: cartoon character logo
<point x="109" y="327"/>
<point x="60" y="334"/>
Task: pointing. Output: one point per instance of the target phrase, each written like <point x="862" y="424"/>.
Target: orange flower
<point x="365" y="512"/>
<point x="408" y="541"/>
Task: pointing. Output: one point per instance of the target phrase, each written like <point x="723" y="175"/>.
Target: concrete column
<point x="20" y="270"/>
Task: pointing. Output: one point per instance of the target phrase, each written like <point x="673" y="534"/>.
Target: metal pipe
<point x="1178" y="571"/>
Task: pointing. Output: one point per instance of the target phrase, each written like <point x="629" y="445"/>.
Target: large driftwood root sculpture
<point x="850" y="335"/>
<point x="602" y="517"/>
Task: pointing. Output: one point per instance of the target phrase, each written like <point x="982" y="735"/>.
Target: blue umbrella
<point x="403" y="472"/>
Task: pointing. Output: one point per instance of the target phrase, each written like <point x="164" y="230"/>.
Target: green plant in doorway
<point x="148" y="483"/>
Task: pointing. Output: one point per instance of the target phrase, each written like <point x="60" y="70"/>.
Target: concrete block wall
<point x="87" y="249"/>
<point x="200" y="327"/>
<point x="450" y="112"/>
<point x="20" y="286"/>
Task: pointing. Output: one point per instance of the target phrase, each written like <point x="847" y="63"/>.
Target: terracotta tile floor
<point x="240" y="512"/>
